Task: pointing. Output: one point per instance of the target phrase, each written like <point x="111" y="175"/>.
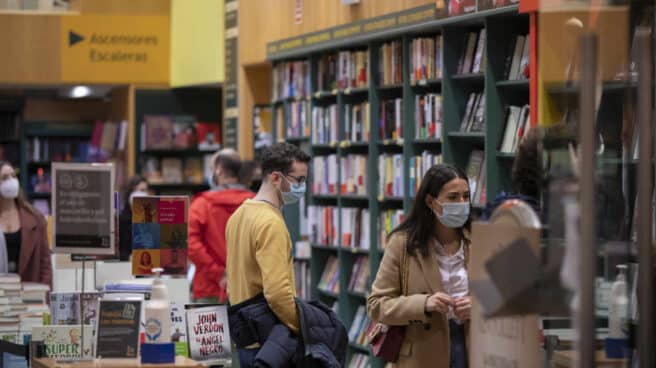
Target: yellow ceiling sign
<point x="115" y="49"/>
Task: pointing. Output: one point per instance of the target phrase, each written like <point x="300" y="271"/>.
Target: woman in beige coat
<point x="436" y="305"/>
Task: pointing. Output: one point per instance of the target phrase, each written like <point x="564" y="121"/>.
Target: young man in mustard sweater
<point x="259" y="258"/>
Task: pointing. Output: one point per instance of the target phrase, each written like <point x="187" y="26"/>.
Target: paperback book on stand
<point x="209" y="334"/>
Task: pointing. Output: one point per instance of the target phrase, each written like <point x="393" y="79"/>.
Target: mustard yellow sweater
<point x="259" y="259"/>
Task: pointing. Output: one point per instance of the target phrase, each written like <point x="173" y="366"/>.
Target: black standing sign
<point x="83" y="208"/>
<point x="118" y="329"/>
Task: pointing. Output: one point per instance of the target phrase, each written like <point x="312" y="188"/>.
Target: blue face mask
<point x="454" y="214"/>
<point x="296" y="192"/>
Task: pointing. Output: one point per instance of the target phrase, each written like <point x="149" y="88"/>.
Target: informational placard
<point x="508" y="341"/>
<point x="115" y="48"/>
<point x="118" y="329"/>
<point x="209" y="335"/>
<point x="83" y="208"/>
<point x="159" y="234"/>
<point x="230" y="86"/>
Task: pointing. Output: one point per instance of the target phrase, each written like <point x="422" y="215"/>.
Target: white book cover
<point x="178" y="322"/>
<point x="480" y="50"/>
<point x="524" y="61"/>
<point x="511" y="129"/>
<point x="517" y="57"/>
<point x="208" y="332"/>
<point x="66" y="342"/>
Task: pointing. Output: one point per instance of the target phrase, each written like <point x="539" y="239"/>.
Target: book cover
<point x="179" y="328"/>
<point x="459" y="7"/>
<point x="184" y="132"/>
<point x="66" y="342"/>
<point x="159" y="234"/>
<point x="208" y="332"/>
<point x="172" y="170"/>
<point x="193" y="170"/>
<point x="159" y="131"/>
<point x="209" y="136"/>
<point x="118" y="328"/>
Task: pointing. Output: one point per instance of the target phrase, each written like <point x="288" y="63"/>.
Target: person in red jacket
<point x="208" y="215"/>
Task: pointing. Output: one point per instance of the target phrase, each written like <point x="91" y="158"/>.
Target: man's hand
<point x="438" y="302"/>
<point x="462" y="308"/>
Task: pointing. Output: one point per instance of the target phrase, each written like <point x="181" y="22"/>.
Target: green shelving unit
<point x="455" y="146"/>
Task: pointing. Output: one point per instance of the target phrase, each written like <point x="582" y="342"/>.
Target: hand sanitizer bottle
<point x="158" y="318"/>
<point x="619" y="303"/>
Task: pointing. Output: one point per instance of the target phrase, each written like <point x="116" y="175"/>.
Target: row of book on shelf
<point x="518" y="124"/>
<point x="474" y="118"/>
<point x="179" y="132"/>
<point x="325" y="129"/>
<point x="359" y="277"/>
<point x="476" y="175"/>
<point x="352" y="169"/>
<point x="175" y="170"/>
<point x="359" y="360"/>
<point x="472" y="60"/>
<point x="426" y="59"/>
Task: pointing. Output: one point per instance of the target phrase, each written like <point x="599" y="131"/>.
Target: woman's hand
<point x="462" y="308"/>
<point x="438" y="302"/>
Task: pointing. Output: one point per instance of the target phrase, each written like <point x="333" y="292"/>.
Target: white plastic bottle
<point x="619" y="303"/>
<point x="157" y="311"/>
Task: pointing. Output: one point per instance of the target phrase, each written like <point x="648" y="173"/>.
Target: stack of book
<point x="325" y="129"/>
<point x="353" y="69"/>
<point x="474" y="118"/>
<point x="359" y="360"/>
<point x="517" y="62"/>
<point x="358" y="331"/>
<point x="518" y="124"/>
<point x="329" y="281"/>
<point x="354" y="175"/>
<point x="428" y="116"/>
<point x="357" y="127"/>
<point x="355" y="228"/>
<point x="298" y="122"/>
<point x="323" y="225"/>
<point x="22" y="307"/>
<point x="391" y="119"/>
<point x="291" y="79"/>
<point x="472" y="60"/>
<point x="327" y="72"/>
<point x="426" y="59"/>
<point x="324" y="175"/>
<point x="360" y="275"/>
<point x="419" y="165"/>
<point x="178" y="132"/>
<point x="476" y="174"/>
<point x="388" y="221"/>
<point x="391" y="63"/>
<point x="390" y="169"/>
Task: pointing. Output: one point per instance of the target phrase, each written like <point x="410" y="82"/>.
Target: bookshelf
<point x="196" y="108"/>
<point x="397" y="137"/>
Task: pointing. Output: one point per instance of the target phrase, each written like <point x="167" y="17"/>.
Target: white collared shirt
<point x="454" y="274"/>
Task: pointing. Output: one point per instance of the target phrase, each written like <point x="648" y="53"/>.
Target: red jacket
<point x="208" y="215"/>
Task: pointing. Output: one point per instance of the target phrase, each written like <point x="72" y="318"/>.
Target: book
<point x="391" y="119"/>
<point x="325" y="125"/>
<point x="473" y="170"/>
<point x="352" y="69"/>
<point x="357" y="127"/>
<point x="325" y="175"/>
<point x="66" y="342"/>
<point x="459" y="7"/>
<point x="291" y="79"/>
<point x="159" y="132"/>
<point x="302" y="279"/>
<point x="479" y="65"/>
<point x="209" y="136"/>
<point x="355" y="225"/>
<point x="323" y="223"/>
<point x="467" y="57"/>
<point x="428" y="116"/>
<point x="193" y="171"/>
<point x="65" y="308"/>
<point x="172" y="170"/>
<point x="390" y="63"/>
<point x="478" y="118"/>
<point x="513" y="72"/>
<point x="419" y="165"/>
<point x="511" y="128"/>
<point x="184" y="132"/>
<point x="524" y="63"/>
<point x="360" y="275"/>
<point x="297" y="119"/>
<point x="390" y="168"/>
<point x="209" y="333"/>
<point x="159" y="234"/>
<point x="118" y="328"/>
<point x="353" y="175"/>
<point x="327" y="72"/>
<point x="329" y="281"/>
<point x="425" y="59"/>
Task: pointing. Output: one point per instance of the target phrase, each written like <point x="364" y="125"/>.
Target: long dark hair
<point x="419" y="225"/>
<point x="21" y="202"/>
<point x="129" y="188"/>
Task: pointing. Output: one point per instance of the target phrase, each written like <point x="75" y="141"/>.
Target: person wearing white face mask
<point x="136" y="186"/>
<point x="429" y="251"/>
<point x="259" y="246"/>
<point x="23" y="233"/>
